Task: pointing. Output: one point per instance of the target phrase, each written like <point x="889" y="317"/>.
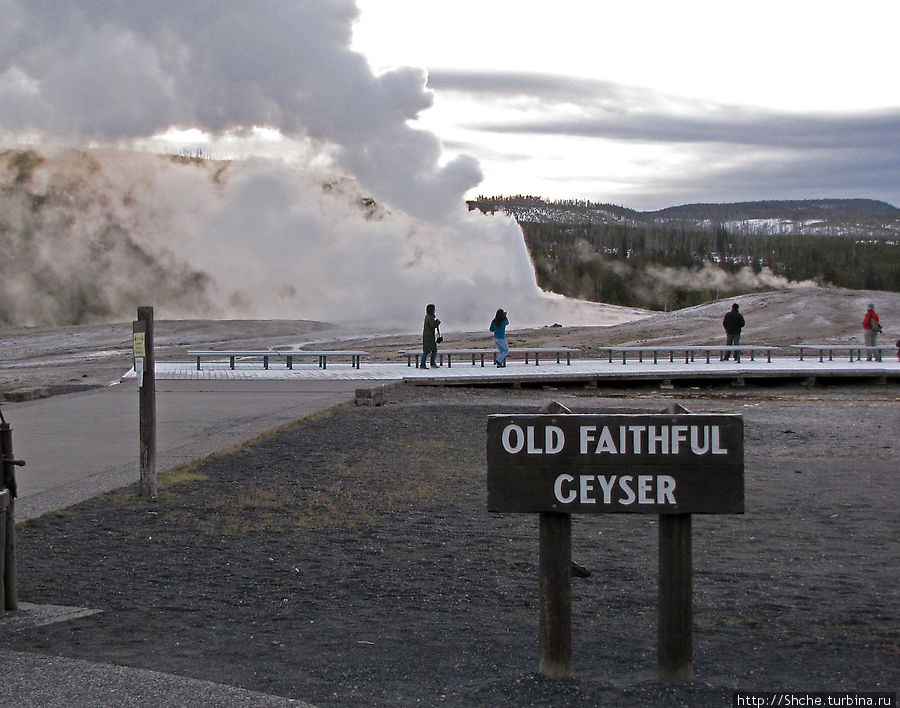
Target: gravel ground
<point x="350" y="560"/>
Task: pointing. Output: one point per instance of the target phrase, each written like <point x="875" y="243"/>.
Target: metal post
<point x="147" y="396"/>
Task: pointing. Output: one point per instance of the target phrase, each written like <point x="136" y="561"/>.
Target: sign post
<point x="555" y="590"/>
<point x="670" y="464"/>
<point x="675" y="645"/>
<point x="145" y="368"/>
<point x="139" y="346"/>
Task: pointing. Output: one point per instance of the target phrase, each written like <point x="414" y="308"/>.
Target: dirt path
<point x="350" y="561"/>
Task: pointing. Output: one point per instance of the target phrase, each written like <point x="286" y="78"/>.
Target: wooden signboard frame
<point x="650" y="463"/>
<point x="670" y="464"/>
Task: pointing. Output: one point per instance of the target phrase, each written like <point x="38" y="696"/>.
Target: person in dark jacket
<point x="429" y="338"/>
<point x="733" y="322"/>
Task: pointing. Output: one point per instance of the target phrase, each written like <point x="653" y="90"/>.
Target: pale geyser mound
<point x="90" y="235"/>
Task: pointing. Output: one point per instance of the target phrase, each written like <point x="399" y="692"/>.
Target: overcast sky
<point x="656" y="103"/>
<point x="648" y="104"/>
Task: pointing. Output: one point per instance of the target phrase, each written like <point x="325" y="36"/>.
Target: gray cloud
<point x="744" y="152"/>
<point x="619" y="112"/>
<point x="750" y="128"/>
<point x="547" y="87"/>
<point x="94" y="70"/>
<point x="724" y="174"/>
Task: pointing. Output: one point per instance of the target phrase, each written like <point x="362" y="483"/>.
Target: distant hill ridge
<point x="856" y="218"/>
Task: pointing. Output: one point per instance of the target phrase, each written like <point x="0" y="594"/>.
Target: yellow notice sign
<point x="139" y="344"/>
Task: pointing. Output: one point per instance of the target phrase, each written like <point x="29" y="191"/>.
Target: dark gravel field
<point x="349" y="560"/>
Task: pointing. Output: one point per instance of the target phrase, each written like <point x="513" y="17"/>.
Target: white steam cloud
<point x="711" y="276"/>
<point x="296" y="237"/>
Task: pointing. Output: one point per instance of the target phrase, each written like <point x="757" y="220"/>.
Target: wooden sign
<point x="616" y="463"/>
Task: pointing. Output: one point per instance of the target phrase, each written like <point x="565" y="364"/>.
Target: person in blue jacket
<point x="498" y="327"/>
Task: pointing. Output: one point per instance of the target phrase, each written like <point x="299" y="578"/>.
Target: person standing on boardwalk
<point x="733" y="322"/>
<point x="871" y="330"/>
<point x="498" y="327"/>
<point x="429" y="338"/>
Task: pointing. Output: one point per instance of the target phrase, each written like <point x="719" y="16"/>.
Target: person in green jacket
<point x="429" y="338"/>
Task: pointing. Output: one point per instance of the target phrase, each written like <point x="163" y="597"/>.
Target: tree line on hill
<point x="850" y="218"/>
<point x="663" y="264"/>
<point x="664" y="268"/>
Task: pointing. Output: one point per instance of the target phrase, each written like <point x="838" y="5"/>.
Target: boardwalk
<point x="581" y="370"/>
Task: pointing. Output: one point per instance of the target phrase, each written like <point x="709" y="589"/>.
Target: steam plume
<point x="359" y="219"/>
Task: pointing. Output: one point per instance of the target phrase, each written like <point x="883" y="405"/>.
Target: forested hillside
<point x="655" y="261"/>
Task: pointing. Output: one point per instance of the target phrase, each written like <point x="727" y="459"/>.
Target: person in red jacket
<point x="871" y="330"/>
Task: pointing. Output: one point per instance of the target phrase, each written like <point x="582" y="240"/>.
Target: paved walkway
<point x="79" y="445"/>
<point x="34" y="681"/>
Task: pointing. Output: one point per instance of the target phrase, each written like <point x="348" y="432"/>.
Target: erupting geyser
<point x="351" y="215"/>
